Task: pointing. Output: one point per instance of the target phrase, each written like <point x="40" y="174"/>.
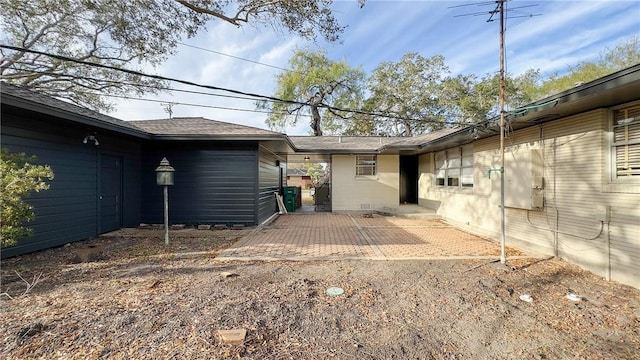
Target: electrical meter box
<point x="523" y="178"/>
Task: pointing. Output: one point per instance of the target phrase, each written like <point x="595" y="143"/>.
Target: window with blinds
<point x="366" y="165"/>
<point x="454" y="167"/>
<point x="625" y="149"/>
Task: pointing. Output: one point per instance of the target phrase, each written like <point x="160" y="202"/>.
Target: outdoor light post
<point x="164" y="177"/>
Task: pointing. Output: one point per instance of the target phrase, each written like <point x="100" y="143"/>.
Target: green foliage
<point x="317" y="82"/>
<point x="624" y="54"/>
<point x="314" y="170"/>
<point x="416" y="94"/>
<point x="407" y="95"/>
<point x="468" y="99"/>
<point x="18" y="178"/>
<point x="132" y="34"/>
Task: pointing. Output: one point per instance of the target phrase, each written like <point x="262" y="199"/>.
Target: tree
<point x="407" y="95"/>
<point x="315" y="86"/>
<point x="132" y="34"/>
<point x="624" y="54"/>
<point x="18" y="178"/>
<point x="314" y="170"/>
<point x="467" y="99"/>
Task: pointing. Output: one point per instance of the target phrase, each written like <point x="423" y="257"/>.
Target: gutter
<point x="221" y="137"/>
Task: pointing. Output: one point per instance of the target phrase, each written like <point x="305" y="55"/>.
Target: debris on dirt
<point x="526" y="298"/>
<point x="31" y="330"/>
<point x="88" y="253"/>
<point x="233" y="337"/>
<point x="226" y="274"/>
<point x="574" y="297"/>
<point x="140" y="301"/>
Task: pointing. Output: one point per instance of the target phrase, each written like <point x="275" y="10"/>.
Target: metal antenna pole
<point x="503" y="18"/>
<point x="503" y="256"/>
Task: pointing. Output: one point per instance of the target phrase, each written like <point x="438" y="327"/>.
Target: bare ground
<point x="138" y="299"/>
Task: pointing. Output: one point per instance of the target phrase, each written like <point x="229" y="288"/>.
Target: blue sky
<point x="565" y="33"/>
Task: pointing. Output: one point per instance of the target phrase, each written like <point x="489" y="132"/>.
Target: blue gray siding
<point x="268" y="184"/>
<point x="215" y="183"/>
<point x="69" y="210"/>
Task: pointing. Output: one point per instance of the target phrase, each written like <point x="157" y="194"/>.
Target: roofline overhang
<point x="11" y="100"/>
<point x="336" y="151"/>
<point x="222" y="137"/>
<point x="615" y="89"/>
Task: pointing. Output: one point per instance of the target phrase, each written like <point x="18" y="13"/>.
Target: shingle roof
<point x="422" y="139"/>
<point x="199" y="126"/>
<point x="340" y="143"/>
<point x="364" y="143"/>
<point x="36" y="99"/>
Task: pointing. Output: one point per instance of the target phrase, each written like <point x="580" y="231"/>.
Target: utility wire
<point x="157" y="77"/>
<point x="184" y="104"/>
<point x="240" y="58"/>
<point x="252" y="95"/>
<point x="165" y="88"/>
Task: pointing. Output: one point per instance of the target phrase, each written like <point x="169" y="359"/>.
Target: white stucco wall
<point x="351" y="193"/>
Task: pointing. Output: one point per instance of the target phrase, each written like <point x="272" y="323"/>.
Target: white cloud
<point x="566" y="33"/>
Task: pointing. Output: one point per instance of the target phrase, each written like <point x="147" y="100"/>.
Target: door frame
<point x="99" y="194"/>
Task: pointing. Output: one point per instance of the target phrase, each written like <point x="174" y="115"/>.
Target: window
<point x="454" y="167"/>
<point x="625" y="147"/>
<point x="365" y="165"/>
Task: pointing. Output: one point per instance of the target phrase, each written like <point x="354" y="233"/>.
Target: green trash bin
<point x="290" y="197"/>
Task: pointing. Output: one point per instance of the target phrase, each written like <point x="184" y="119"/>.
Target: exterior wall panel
<point x="351" y="193"/>
<point x="68" y="210"/>
<point x="575" y="152"/>
<point x="268" y="185"/>
<point x="215" y="183"/>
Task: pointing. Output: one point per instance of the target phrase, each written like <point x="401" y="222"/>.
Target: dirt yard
<point x="137" y="299"/>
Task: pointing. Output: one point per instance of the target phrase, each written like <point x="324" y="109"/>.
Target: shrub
<point x="19" y="177"/>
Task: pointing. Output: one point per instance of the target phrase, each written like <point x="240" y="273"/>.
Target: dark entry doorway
<point x="110" y="193"/>
<point x="408" y="179"/>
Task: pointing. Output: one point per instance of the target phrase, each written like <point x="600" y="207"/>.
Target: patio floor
<point x="328" y="236"/>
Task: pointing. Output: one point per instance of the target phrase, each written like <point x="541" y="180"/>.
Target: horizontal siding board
<point x="575" y="152"/>
<point x="71" y="195"/>
<point x="268" y="184"/>
<point x="67" y="212"/>
<point x="214" y="183"/>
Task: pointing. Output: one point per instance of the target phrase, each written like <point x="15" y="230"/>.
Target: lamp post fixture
<point x="164" y="177"/>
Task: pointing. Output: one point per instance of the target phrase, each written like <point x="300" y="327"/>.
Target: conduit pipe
<point x="565" y="233"/>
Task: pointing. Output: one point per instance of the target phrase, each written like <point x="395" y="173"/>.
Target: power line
<point x="163" y="102"/>
<point x="390" y="116"/>
<point x="166" y="88"/>
<point x="240" y="58"/>
<point x="157" y="77"/>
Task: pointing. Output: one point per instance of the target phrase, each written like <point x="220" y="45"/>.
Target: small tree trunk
<point x="315" y="121"/>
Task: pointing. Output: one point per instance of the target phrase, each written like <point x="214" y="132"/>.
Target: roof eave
<point x="26" y="104"/>
<point x="221" y="137"/>
<point x="618" y="87"/>
<point x="338" y="151"/>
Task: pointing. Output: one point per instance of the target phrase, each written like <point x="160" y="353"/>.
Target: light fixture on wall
<point x="307" y="158"/>
<point x="91" y="137"/>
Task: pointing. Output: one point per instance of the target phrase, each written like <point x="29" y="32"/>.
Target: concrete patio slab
<point x="327" y="236"/>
